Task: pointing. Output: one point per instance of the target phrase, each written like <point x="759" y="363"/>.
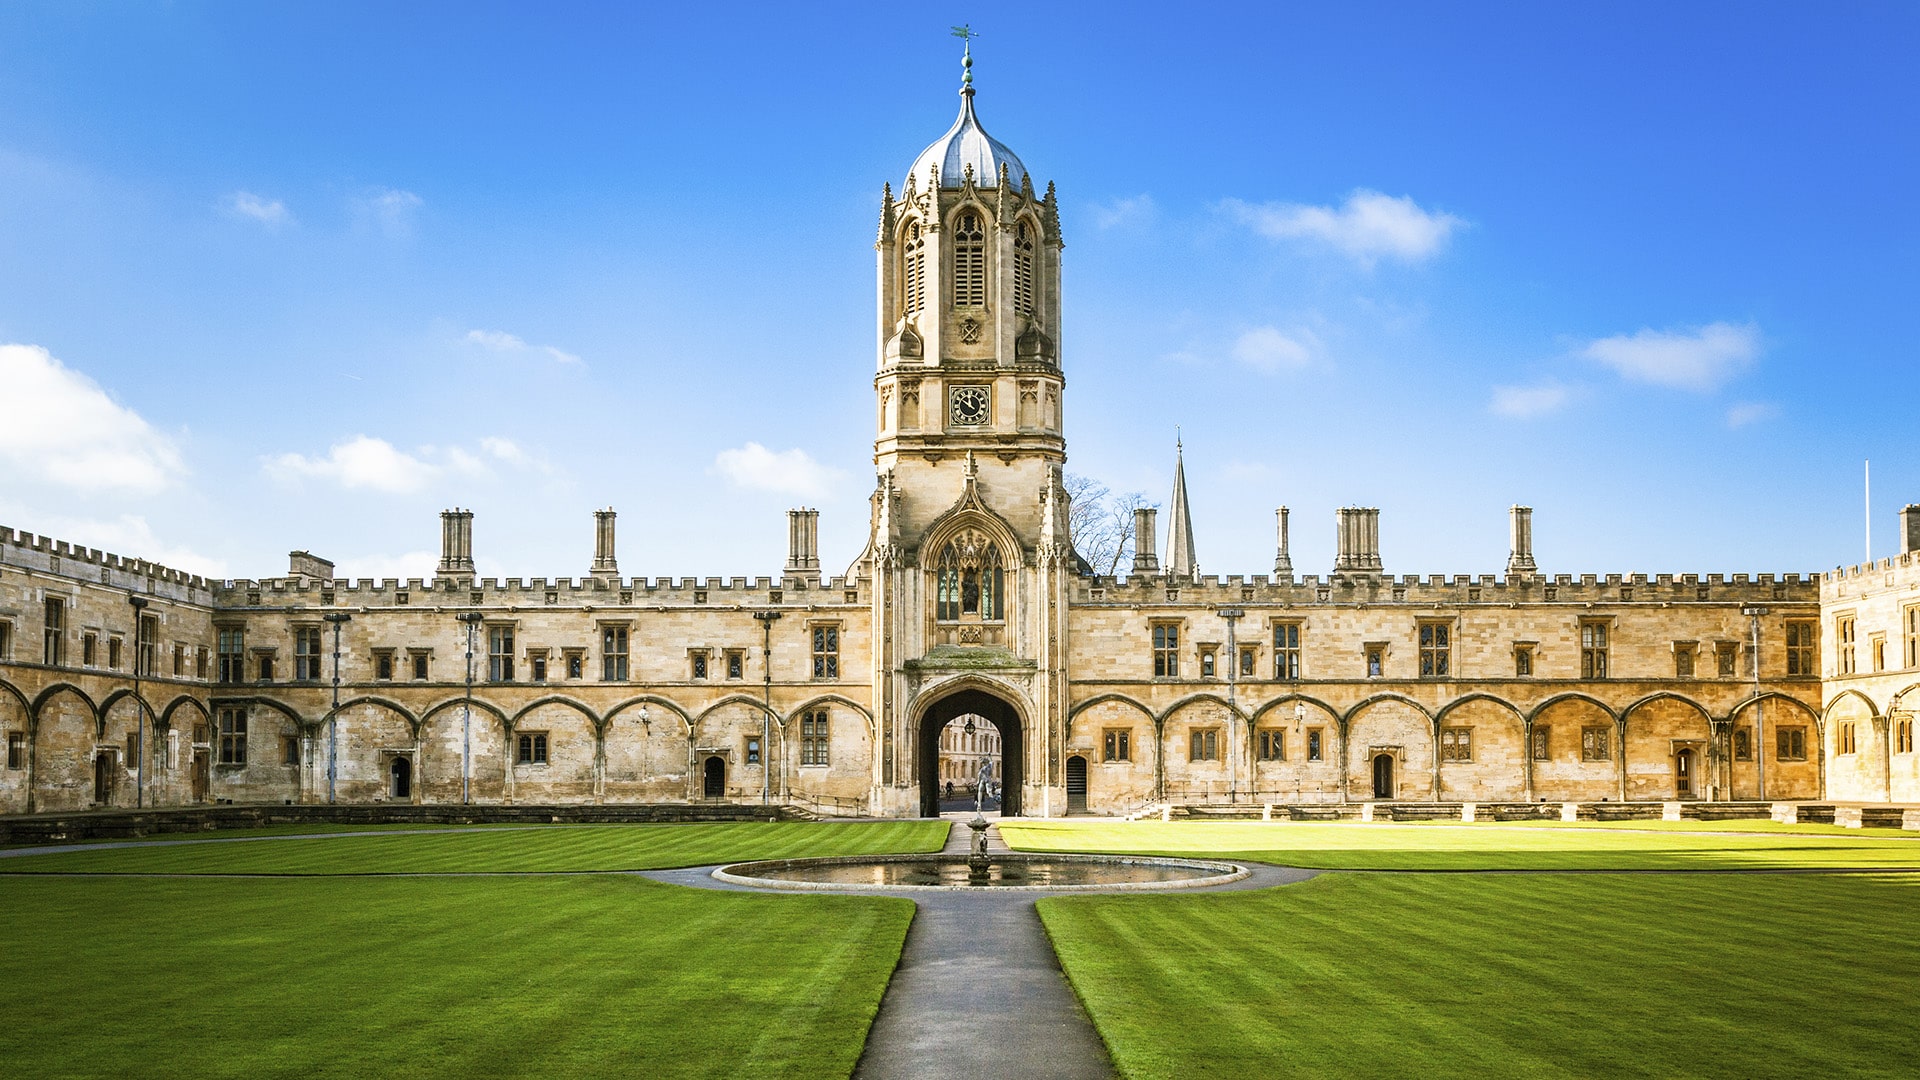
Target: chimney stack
<point x="308" y="565"/>
<point x="803" y="543"/>
<point x="1145" y="528"/>
<point x="1282" y="562"/>
<point x="456" y="544"/>
<point x="1520" y="554"/>
<point x="605" y="565"/>
<point x="1910" y="528"/>
<point x="1358" y="550"/>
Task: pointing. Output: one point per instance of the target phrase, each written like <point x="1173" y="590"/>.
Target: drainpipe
<point x="140" y="708"/>
<point x="766" y="619"/>
<point x="1753" y="613"/>
<point x="471" y="619"/>
<point x="1232" y="615"/>
<point x="337" y="618"/>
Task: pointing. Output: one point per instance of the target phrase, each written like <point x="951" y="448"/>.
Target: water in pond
<point x="1017" y="873"/>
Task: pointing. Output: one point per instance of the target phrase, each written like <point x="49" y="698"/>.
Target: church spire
<point x="1180" y="561"/>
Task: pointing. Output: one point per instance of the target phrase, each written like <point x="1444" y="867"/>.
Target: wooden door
<point x="1076" y="785"/>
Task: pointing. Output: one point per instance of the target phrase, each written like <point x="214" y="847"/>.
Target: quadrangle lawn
<point x="1495" y="975"/>
<point x="394" y="976"/>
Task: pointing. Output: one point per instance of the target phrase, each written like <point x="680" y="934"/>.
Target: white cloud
<point x="412" y="564"/>
<point x="497" y="340"/>
<point x="1743" y="413"/>
<point x="390" y="210"/>
<point x="786" y="472"/>
<point x="367" y="463"/>
<point x="269" y="212"/>
<point x="1268" y="349"/>
<point x="501" y="341"/>
<point x="1701" y="359"/>
<point x="360" y="462"/>
<point x="60" y="427"/>
<point x="1368" y="226"/>
<point x="1129" y="211"/>
<point x="1526" y="402"/>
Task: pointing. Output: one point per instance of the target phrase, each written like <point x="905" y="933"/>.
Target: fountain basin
<point x="1007" y="872"/>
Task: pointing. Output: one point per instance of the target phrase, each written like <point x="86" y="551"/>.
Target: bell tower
<point x="969" y="556"/>
<point x="968" y="269"/>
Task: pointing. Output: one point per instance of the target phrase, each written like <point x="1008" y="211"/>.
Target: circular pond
<point x="1054" y="873"/>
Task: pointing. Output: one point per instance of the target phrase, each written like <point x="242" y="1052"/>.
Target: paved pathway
<point x="978" y="991"/>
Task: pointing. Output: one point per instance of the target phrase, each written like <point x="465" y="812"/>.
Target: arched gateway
<point x="1003" y="714"/>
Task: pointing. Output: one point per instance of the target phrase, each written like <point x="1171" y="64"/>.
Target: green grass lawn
<point x="552" y="848"/>
<point x="1496" y="975"/>
<point x="1549" y="975"/>
<point x="1356" y="845"/>
<point x="565" y="976"/>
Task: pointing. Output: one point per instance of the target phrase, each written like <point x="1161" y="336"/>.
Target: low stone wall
<point x="122" y="825"/>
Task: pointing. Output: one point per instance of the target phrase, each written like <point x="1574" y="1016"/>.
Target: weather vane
<point x="966" y="33"/>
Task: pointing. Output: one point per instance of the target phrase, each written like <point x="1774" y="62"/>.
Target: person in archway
<point x="949" y="790"/>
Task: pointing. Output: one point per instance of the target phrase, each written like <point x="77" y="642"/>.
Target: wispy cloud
<point x="1369" y="226"/>
<point x="1527" y="402"/>
<point x="1270" y="349"/>
<point x="390" y="210"/>
<point x="1133" y="210"/>
<point x="269" y="212"/>
<point x="1743" y="413"/>
<point x="784" y="472"/>
<point x="366" y="463"/>
<point x="501" y="341"/>
<point x="60" y="427"/>
<point x="1700" y="359"/>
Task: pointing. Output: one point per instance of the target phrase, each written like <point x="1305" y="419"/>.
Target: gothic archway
<point x="985" y="704"/>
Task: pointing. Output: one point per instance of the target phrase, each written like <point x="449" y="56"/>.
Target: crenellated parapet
<point x="589" y="593"/>
<point x="1442" y="589"/>
<point x="26" y="551"/>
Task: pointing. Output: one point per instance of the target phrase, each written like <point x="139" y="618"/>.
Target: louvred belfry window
<point x="969" y="262"/>
<point x="1023" y="298"/>
<point x="913" y="272"/>
<point x="971" y="579"/>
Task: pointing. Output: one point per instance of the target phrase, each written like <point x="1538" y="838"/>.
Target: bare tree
<point x="1102" y="523"/>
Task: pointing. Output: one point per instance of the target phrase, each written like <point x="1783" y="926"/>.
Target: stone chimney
<point x="1282" y="562"/>
<point x="308" y="565"/>
<point x="605" y="565"/>
<point x="456" y="544"/>
<point x="1520" y="546"/>
<point x="1358" y="548"/>
<point x="1910" y="528"/>
<point x="803" y="543"/>
<point x="1145" y="528"/>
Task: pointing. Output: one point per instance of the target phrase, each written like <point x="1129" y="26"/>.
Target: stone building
<point x="1108" y="694"/>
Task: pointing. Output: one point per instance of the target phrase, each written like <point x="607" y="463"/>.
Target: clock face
<point x="969" y="405"/>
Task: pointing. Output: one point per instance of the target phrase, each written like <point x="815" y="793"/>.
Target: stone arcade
<point x="1110" y="695"/>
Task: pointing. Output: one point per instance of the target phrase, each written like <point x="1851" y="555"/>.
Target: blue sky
<point x="278" y="277"/>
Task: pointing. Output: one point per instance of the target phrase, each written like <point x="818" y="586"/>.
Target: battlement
<point x="44" y="554"/>
<point x="1906" y="560"/>
<point x="1441" y="590"/>
<point x="588" y="592"/>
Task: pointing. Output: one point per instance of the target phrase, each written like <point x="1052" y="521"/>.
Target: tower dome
<point x="967" y="143"/>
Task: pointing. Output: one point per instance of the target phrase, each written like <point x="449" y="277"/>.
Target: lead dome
<point x="967" y="143"/>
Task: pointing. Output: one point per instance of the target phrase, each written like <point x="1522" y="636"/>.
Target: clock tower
<point x="969" y="549"/>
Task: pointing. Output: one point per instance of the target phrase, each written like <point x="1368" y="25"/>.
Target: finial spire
<point x="1180" y="560"/>
<point x="966" y="33"/>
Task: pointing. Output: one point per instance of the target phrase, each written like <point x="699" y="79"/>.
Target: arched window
<point x="969" y="262"/>
<point x="913" y="272"/>
<point x="971" y="579"/>
<point x="1023" y="296"/>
